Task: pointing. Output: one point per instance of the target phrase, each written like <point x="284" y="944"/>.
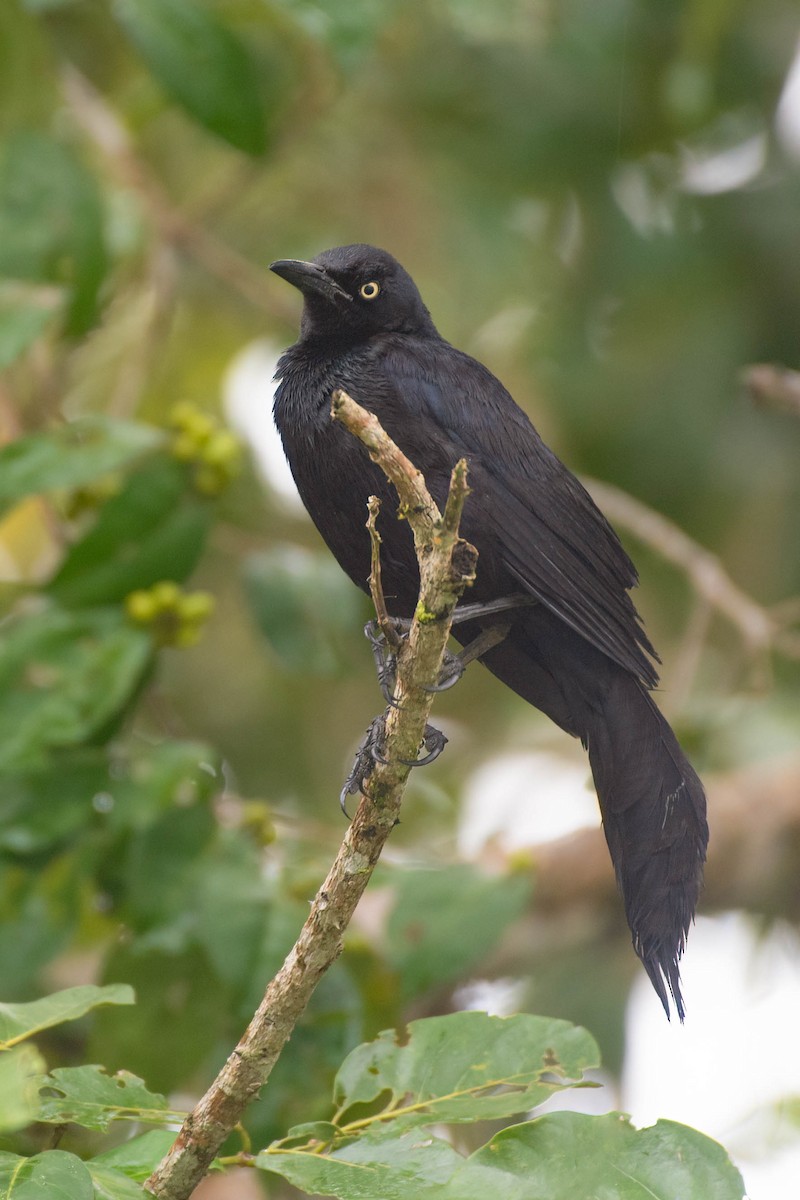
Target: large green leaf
<point x="128" y="789"/>
<point x="467" y="1066"/>
<point x="51" y="222"/>
<point x="379" y="1165"/>
<point x="52" y="1175"/>
<point x="202" y="64"/>
<point x="63" y="677"/>
<point x="561" y="1156"/>
<point x="19" y="1092"/>
<point x="39" y="911"/>
<point x="138" y="1158"/>
<point x="112" y="1185"/>
<point x="427" y="945"/>
<point x="231" y="906"/>
<point x="306" y="607"/>
<point x="70" y="455"/>
<point x="153" y="529"/>
<point x="25" y="311"/>
<point x="565" y="1155"/>
<point x="90" y="1097"/>
<point x="178" y="997"/>
<point x="21" y="1021"/>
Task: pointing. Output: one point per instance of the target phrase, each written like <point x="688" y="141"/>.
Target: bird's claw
<point x="369" y="753"/>
<point x="385" y="655"/>
<point x="434" y="742"/>
<point x="364" y="762"/>
<point x="453" y="668"/>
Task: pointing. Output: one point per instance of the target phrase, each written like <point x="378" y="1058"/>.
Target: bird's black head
<point x="353" y="292"/>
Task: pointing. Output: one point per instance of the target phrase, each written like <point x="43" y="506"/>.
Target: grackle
<point x="578" y="652"/>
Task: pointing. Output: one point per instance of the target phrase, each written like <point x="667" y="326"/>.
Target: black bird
<point x="580" y="653"/>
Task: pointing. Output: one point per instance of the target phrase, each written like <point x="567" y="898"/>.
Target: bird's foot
<point x="369" y="753"/>
<point x="363" y="763"/>
<point x="433" y="740"/>
<point x="385" y="647"/>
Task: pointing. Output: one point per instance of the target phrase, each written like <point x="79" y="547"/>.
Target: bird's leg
<point x="386" y="638"/>
<point x="369" y="753"/>
<point x="454" y="665"/>
<point x="486" y="608"/>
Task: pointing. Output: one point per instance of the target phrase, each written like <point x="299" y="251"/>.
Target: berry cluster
<point x="214" y="452"/>
<point x="174" y="617"/>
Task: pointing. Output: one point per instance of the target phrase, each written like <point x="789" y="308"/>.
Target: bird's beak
<point x="309" y="277"/>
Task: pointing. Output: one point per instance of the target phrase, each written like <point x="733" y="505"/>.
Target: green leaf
<point x="379" y="1165"/>
<point x="202" y="64"/>
<point x="138" y="1158"/>
<point x="128" y="789"/>
<point x="39" y="911"/>
<point x="177" y="996"/>
<point x="112" y="1185"/>
<point x="70" y="455"/>
<point x="51" y="222"/>
<point x="90" y="1097"/>
<point x="21" y="1021"/>
<point x="19" y="1092"/>
<point x="37" y="6"/>
<point x="565" y="1155"/>
<point x="151" y="530"/>
<point x="306" y="607"/>
<point x="53" y="1175"/>
<point x="231" y="906"/>
<point x="63" y="677"/>
<point x="25" y="312"/>
<point x="426" y="942"/>
<point x="467" y="1066"/>
<point x="561" y="1156"/>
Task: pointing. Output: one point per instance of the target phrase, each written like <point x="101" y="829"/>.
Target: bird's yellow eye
<point x="368" y="291"/>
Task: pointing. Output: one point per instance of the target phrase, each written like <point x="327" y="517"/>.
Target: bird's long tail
<point x="654" y="816"/>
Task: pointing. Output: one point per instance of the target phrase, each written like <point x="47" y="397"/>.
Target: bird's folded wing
<point x="543" y="524"/>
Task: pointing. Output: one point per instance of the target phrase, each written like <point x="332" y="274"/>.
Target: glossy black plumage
<point x="581" y="654"/>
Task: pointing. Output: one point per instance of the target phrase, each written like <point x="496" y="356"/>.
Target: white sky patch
<point x="525" y="799"/>
<point x="737" y="1054"/>
<point x="712" y="172"/>
<point x="248" y="390"/>
<point x="787" y="116"/>
<point x="497" y="997"/>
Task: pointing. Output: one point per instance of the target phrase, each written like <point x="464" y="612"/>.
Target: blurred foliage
<point x="595" y="201"/>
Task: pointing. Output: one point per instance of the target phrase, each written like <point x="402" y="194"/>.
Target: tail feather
<point x="651" y="800"/>
<point x="654" y="817"/>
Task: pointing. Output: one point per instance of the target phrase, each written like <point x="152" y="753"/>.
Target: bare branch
<point x="447" y="566"/>
<point x="760" y="629"/>
<point x="375" y="582"/>
<point x="770" y="386"/>
<point x="98" y="120"/>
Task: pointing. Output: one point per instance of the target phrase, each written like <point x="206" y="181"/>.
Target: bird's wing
<point x="543" y="525"/>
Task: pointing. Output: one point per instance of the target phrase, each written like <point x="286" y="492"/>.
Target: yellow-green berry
<point x="222" y="449"/>
<point x="184" y="447"/>
<point x="166" y="595"/>
<point x="196" y="606"/>
<point x="141" y="607"/>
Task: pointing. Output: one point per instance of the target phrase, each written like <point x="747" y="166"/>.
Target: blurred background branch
<point x="773" y="387"/>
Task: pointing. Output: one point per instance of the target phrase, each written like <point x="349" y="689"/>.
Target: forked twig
<point x="447" y="566"/>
